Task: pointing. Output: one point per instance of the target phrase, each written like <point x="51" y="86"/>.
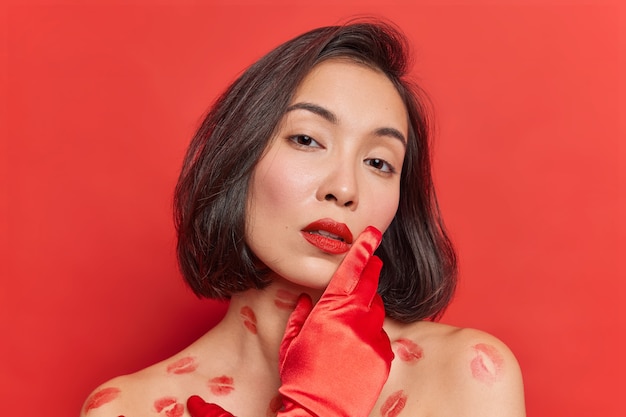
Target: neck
<point x="255" y="323"/>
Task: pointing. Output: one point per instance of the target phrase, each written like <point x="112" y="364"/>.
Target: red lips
<point x="329" y="236"/>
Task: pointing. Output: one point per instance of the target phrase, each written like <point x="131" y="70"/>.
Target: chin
<point x="314" y="274"/>
<point x="317" y="282"/>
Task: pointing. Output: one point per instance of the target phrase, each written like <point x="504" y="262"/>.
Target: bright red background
<point x="100" y="100"/>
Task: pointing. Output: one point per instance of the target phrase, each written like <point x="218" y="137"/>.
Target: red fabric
<point x="335" y="360"/>
<point x="334" y="357"/>
<point x="198" y="408"/>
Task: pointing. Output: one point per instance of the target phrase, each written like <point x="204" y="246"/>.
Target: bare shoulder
<point x="113" y="398"/>
<point x="486" y="373"/>
<point x="158" y="388"/>
<point x="468" y="370"/>
<point x="120" y="396"/>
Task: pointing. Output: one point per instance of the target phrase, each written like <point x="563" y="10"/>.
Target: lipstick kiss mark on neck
<point x="249" y="319"/>
<point x="285" y="300"/>
<point x="407" y="350"/>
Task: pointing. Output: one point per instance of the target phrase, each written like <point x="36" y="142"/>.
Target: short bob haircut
<point x="419" y="264"/>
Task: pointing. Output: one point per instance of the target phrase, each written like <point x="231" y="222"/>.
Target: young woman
<point x="306" y="198"/>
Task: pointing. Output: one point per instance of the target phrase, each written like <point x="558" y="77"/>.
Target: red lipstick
<point x="329" y="236"/>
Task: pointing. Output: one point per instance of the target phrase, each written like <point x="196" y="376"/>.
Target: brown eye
<point x="380" y="164"/>
<point x="304" y="141"/>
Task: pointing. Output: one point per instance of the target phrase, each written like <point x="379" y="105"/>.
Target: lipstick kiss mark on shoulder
<point x="183" y="366"/>
<point x="169" y="406"/>
<point x="487" y="364"/>
<point x="394" y="404"/>
<point x="101" y="397"/>
<point x="221" y="385"/>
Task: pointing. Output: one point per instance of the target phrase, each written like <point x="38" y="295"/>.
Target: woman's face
<point x="332" y="169"/>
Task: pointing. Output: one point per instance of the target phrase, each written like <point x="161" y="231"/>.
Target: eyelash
<point x="296" y="140"/>
<point x="390" y="169"/>
<point x="373" y="162"/>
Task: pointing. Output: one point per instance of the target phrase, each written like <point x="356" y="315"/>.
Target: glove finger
<point x="377" y="311"/>
<point x="367" y="286"/>
<point x="295" y="323"/>
<point x="386" y="353"/>
<point x="376" y="319"/>
<point x="199" y="408"/>
<point x="347" y="276"/>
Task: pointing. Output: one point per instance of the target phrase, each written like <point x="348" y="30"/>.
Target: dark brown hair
<point x="419" y="264"/>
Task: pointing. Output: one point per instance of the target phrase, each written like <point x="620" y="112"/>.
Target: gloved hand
<point x="198" y="408"/>
<point x="335" y="357"/>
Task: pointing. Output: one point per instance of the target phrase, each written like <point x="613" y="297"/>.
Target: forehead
<point x="349" y="88"/>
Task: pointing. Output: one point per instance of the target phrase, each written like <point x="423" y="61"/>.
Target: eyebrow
<point x="332" y="118"/>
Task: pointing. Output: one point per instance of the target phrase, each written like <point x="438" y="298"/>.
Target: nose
<point x="341" y="187"/>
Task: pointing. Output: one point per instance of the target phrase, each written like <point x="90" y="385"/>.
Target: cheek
<point x="384" y="206"/>
<point x="276" y="199"/>
<point x="281" y="189"/>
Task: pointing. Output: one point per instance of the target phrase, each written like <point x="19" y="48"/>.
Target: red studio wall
<point x="100" y="98"/>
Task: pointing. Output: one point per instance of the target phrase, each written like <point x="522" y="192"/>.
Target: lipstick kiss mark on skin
<point x="487" y="364"/>
<point x="286" y="300"/>
<point x="169" y="406"/>
<point x="182" y="366"/>
<point x="276" y="404"/>
<point x="249" y="319"/>
<point x="221" y="385"/>
<point x="394" y="404"/>
<point x="407" y="350"/>
<point x="101" y="397"/>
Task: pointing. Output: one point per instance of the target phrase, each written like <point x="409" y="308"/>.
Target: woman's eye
<point x="304" y="140"/>
<point x="381" y="165"/>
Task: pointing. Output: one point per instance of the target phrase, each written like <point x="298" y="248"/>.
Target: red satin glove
<point x="198" y="408"/>
<point x="335" y="357"/>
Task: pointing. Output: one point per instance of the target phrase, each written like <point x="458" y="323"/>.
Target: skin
<point x="439" y="370"/>
<point x="318" y="168"/>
